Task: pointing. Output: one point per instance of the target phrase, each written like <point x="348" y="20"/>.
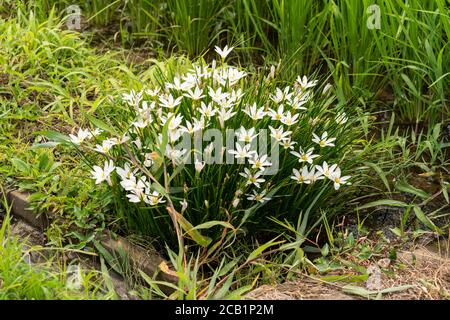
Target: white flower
<point x="242" y="152"/>
<point x="224" y="115"/>
<point x="82" y="135"/>
<point x="223" y="53"/>
<point x="178" y="85"/>
<point x="174" y="154"/>
<point x="189" y="128"/>
<point x="288" y="144"/>
<point x="169" y="102"/>
<point x="327" y="88"/>
<point x="199" y="165"/>
<point x="307" y="156"/>
<point x="278" y="114"/>
<point x="252" y="178"/>
<point x="125" y="172"/>
<point x="337" y="179"/>
<point x="148" y="159"/>
<point x="289" y="120"/>
<point x="260" y="162"/>
<point x="314" y="175"/>
<point x="207" y="110"/>
<point x="154" y="199"/>
<point x="279" y="134"/>
<point x="301" y="177"/>
<point x="184" y="205"/>
<point x="106" y="145"/>
<point x="299" y="100"/>
<point x="197" y="94"/>
<point x="341" y="118"/>
<point x="260" y="197"/>
<point x="96" y="132"/>
<point x="280" y="95"/>
<point x="217" y="95"/>
<point x="323" y="141"/>
<point x="209" y="149"/>
<point x="236" y="95"/>
<point x="255" y="113"/>
<point x="141" y="123"/>
<point x="152" y="93"/>
<point x="246" y="136"/>
<point x="304" y="83"/>
<point x="134" y="184"/>
<point x="103" y="174"/>
<point x="133" y="98"/>
<point x="325" y="169"/>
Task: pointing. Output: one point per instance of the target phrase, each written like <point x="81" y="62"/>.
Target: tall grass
<point x="409" y="55"/>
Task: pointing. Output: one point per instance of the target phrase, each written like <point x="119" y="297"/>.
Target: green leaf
<point x="325" y="250"/>
<point x="425" y="220"/>
<point x="45" y="145"/>
<point x="21" y="166"/>
<point x="255" y="253"/>
<point x="101" y="125"/>
<point x="380" y="173"/>
<point x="190" y="230"/>
<point x="404" y="186"/>
<point x="385" y="202"/>
<point x="213" y="223"/>
<point x="54" y="136"/>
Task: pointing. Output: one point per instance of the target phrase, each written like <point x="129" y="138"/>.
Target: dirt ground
<point x="425" y="268"/>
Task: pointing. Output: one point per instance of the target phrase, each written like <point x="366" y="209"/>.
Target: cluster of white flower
<point x="211" y="97"/>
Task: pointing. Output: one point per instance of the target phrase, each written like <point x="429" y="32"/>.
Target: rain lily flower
<point x="305" y="84"/>
<point x="260" y="197"/>
<point x="281" y="95"/>
<point x="169" y="102"/>
<point x="125" y="172"/>
<point x="255" y="113"/>
<point x="301" y="177"/>
<point x="327" y="88"/>
<point x="314" y="175"/>
<point x="252" y="178"/>
<point x="337" y="179"/>
<point x="242" y="152"/>
<point x="223" y="53"/>
<point x="207" y="110"/>
<point x="289" y="120"/>
<point x="154" y="199"/>
<point x="153" y="93"/>
<point x="217" y="95"/>
<point x="288" y="144"/>
<point x="325" y="169"/>
<point x="300" y="100"/>
<point x="307" y="156"/>
<point x="199" y="165"/>
<point x="259" y="162"/>
<point x="133" y="98"/>
<point x="224" y="115"/>
<point x="323" y="141"/>
<point x="106" y="146"/>
<point x="103" y="174"/>
<point x="279" y="134"/>
<point x="197" y="94"/>
<point x="81" y="136"/>
<point x="278" y="114"/>
<point x="246" y="136"/>
<point x="341" y="118"/>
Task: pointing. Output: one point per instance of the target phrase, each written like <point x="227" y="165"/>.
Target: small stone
<point x="384" y="263"/>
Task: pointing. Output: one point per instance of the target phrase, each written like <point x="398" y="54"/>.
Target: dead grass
<point x="425" y="267"/>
